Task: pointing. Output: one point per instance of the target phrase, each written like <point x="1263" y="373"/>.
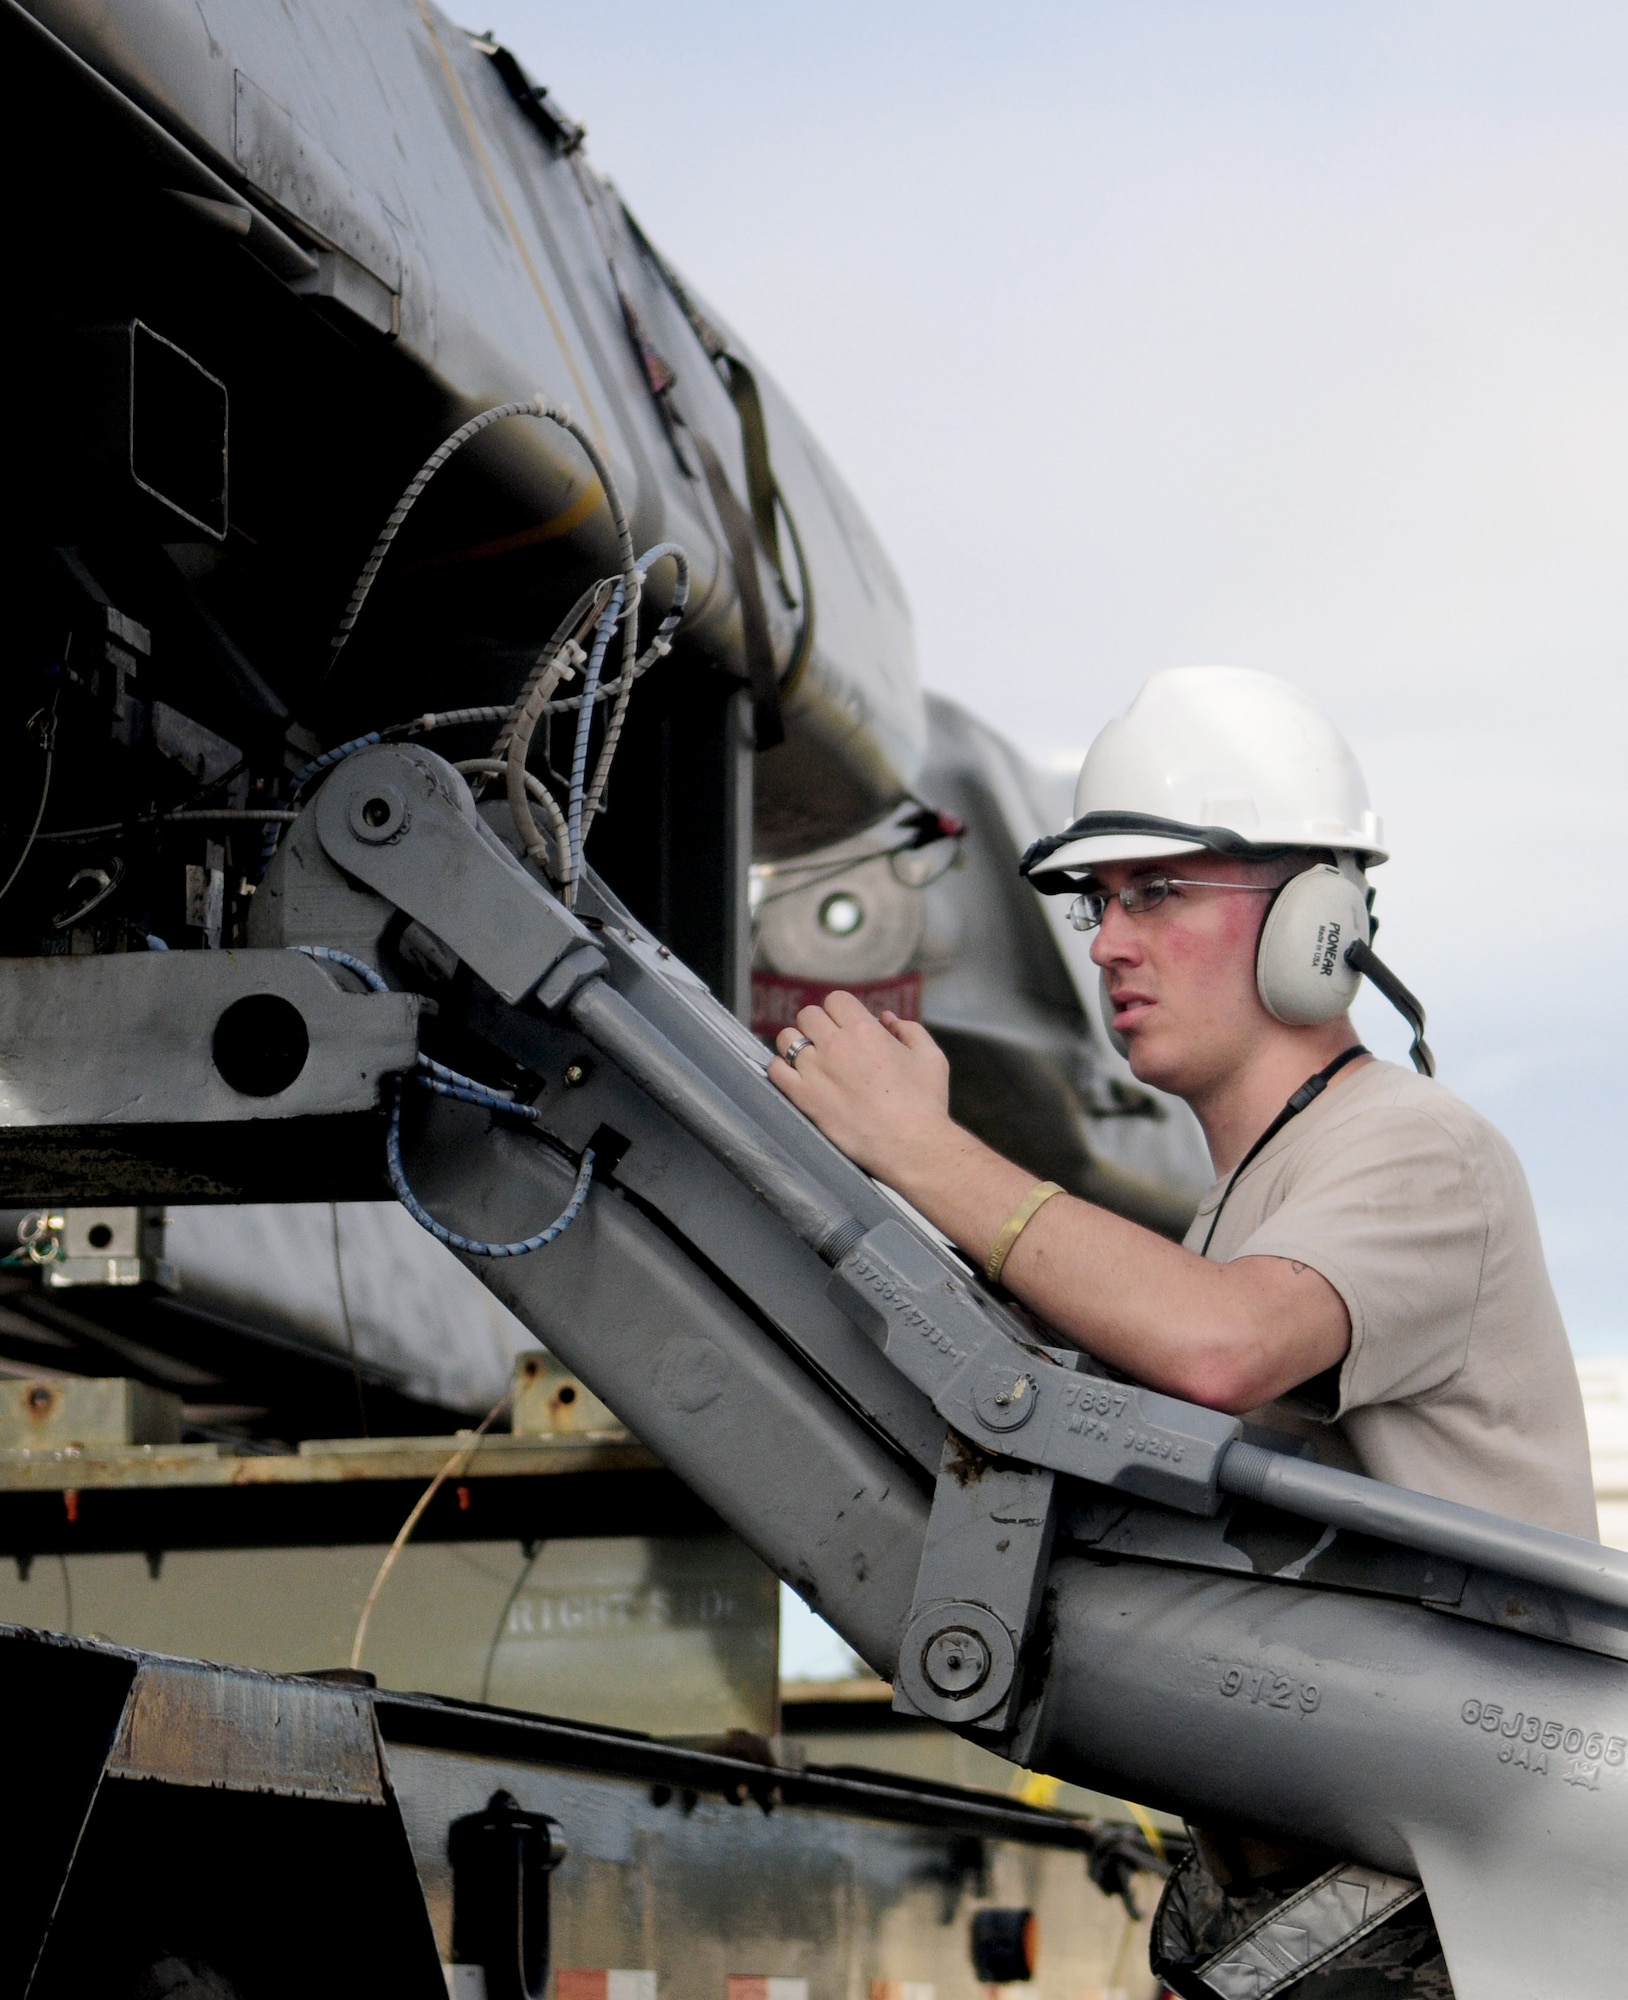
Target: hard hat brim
<point x="1055" y="864"/>
<point x="1079" y="857"/>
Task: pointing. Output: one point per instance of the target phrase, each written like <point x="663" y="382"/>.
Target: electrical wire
<point x="255" y="815"/>
<point x="660" y="645"/>
<point x="48" y="739"/>
<point x="473" y="1246"/>
<point x="444" y="1082"/>
<point x="572" y="626"/>
<point x="531" y="1552"/>
<point x="631" y="581"/>
<point x="537" y="791"/>
<point x="455" y="1467"/>
<point x="579" y="753"/>
<point x="535" y="406"/>
<point x="326" y="953"/>
<point x="538" y="699"/>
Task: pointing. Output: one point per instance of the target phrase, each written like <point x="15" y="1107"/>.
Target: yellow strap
<point x="1014" y="1226"/>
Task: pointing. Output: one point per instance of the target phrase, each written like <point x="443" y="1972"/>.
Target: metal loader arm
<point x="808" y="1358"/>
<point x="1034" y="1554"/>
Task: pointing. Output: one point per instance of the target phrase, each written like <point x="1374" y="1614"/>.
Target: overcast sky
<point x="1288" y="336"/>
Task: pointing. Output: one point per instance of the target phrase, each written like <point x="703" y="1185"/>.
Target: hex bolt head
<point x="956" y="1661"/>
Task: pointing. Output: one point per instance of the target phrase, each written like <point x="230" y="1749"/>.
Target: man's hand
<point x="1231" y="1335"/>
<point x="879" y="1089"/>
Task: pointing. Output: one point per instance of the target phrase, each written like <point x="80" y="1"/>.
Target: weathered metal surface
<point x="480" y="252"/>
<point x="237" y="1731"/>
<point x="1490" y="1765"/>
<point x="234" y="1861"/>
<point x="317" y="1462"/>
<point x="153" y="1018"/>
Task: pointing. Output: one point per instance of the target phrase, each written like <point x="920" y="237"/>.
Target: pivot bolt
<point x="379" y="816"/>
<point x="956" y="1662"/>
<point x="1005" y="1399"/>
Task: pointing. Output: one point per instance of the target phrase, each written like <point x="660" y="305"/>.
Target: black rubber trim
<point x="1219" y="840"/>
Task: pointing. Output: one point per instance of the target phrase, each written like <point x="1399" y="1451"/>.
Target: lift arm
<point x="1041" y="1557"/>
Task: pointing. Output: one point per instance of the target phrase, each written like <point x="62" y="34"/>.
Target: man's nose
<point x="1116" y="941"/>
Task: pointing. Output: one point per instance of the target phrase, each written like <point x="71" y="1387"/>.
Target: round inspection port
<point x="98" y="1236"/>
<point x="261" y="1044"/>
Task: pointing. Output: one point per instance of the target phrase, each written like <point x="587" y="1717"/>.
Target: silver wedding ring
<point x="791" y="1053"/>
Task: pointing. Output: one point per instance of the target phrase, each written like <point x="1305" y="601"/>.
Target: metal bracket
<point x="197" y="1037"/>
<point x="978" y="1590"/>
<point x="1019" y="1403"/>
<point x="400" y="820"/>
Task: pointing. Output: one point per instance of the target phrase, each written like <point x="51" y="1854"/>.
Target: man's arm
<point x="1232" y="1336"/>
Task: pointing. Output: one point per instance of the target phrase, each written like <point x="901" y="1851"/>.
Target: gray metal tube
<point x="799" y="1477"/>
<point x="1420" y="1521"/>
<point x="618" y="1030"/>
<point x="1489" y="1764"/>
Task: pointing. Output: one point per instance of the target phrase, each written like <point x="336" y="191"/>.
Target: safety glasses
<point x="1146" y="893"/>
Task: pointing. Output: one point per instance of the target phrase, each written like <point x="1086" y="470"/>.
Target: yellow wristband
<point x="1015" y="1224"/>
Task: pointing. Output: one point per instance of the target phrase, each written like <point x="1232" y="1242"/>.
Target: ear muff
<point x="1300" y="969"/>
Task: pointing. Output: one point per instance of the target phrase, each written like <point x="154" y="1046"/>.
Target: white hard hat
<point x="1218" y="758"/>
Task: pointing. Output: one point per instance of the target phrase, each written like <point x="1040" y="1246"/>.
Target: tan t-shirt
<point x="1459" y="1380"/>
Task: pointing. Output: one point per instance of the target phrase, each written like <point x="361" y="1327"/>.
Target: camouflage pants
<point x="1198" y="1918"/>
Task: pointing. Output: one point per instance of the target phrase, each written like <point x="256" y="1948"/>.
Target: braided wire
<point x="444" y="1082"/>
<point x="660" y="645"/>
<point x="405" y="505"/>
<point x="607" y="603"/>
<point x="560" y="864"/>
<point x="571" y="627"/>
<point x="585" y="723"/>
<point x="329" y="956"/>
<point x="469" y="1245"/>
<point x="446" y="718"/>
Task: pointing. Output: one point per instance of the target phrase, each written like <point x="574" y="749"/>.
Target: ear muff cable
<point x="1364" y="959"/>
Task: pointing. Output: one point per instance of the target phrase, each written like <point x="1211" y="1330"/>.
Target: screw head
<point x="955" y="1661"/>
<point x="1005" y="1399"/>
<point x="576" y="1074"/>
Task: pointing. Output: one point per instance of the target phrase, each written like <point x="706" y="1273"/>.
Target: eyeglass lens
<point x="1087" y="910"/>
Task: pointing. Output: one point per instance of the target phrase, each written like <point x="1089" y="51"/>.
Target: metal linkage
<point x="400" y="820"/>
<point x="1339" y="1499"/>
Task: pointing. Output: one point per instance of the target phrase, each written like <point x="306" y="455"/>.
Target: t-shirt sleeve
<point x="1390" y="1213"/>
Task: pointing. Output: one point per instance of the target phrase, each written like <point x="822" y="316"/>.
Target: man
<point x="1366" y="1270"/>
